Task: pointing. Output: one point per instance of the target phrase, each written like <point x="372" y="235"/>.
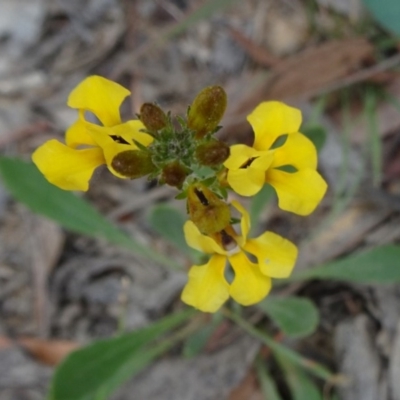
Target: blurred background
<point x="336" y="60"/>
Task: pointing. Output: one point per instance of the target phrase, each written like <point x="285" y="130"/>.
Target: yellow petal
<point x="102" y="137"/>
<point x="272" y="119"/>
<point x="246" y="169"/>
<point x="77" y="135"/>
<point x="298" y="151"/>
<point x="245" y="223"/>
<point x="246" y="181"/>
<point x="239" y="155"/>
<point x="299" y="192"/>
<point x="130" y="131"/>
<point x="100" y="96"/>
<point x="249" y="285"/>
<point x="198" y="241"/>
<point x="207" y="288"/>
<point x="276" y="255"/>
<point x="67" y="168"/>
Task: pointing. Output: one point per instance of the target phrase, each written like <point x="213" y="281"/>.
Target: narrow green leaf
<point x="295" y="316"/>
<point x="198" y="340"/>
<point x="29" y="186"/>
<point x="168" y="222"/>
<point x="379" y="265"/>
<point x="283" y="351"/>
<point x="301" y="386"/>
<point x="98" y="369"/>
<point x="267" y="384"/>
<point x="386" y="12"/>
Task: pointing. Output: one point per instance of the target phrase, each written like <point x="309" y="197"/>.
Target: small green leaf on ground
<point x="300" y="384"/>
<point x="386" y="12"/>
<point x="295" y="316"/>
<point x="95" y="371"/>
<point x="379" y="265"/>
<point x="168" y="222"/>
<point x="267" y="384"/>
<point x="198" y="340"/>
<point x="280" y="350"/>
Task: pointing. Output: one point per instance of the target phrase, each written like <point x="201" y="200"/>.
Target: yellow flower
<point x="250" y="167"/>
<point x="207" y="288"/>
<point x="70" y="166"/>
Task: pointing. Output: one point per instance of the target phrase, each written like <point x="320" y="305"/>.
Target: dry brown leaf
<point x="298" y="77"/>
<point x="50" y="352"/>
<point x="315" y="67"/>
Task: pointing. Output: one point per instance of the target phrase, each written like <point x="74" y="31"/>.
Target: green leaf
<point x="27" y="184"/>
<point x="198" y="340"/>
<point x="267" y="384"/>
<point x="98" y="369"/>
<point x="316" y="134"/>
<point x="295" y="316"/>
<point x="386" y="12"/>
<point x="168" y="222"/>
<point x="301" y="386"/>
<point x="283" y="351"/>
<point x="379" y="265"/>
<point x="259" y="202"/>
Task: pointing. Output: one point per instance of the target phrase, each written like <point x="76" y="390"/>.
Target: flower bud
<point x="174" y="174"/>
<point x="207" y="110"/>
<point x="207" y="211"/>
<point x="212" y="153"/>
<point x="153" y="117"/>
<point x="133" y="163"/>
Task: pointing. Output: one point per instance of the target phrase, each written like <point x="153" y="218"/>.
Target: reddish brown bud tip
<point x="212" y="153"/>
<point x="174" y="174"/>
<point x="207" y="110"/>
<point x="152" y="117"/>
<point x="133" y="164"/>
<point x="207" y="211"/>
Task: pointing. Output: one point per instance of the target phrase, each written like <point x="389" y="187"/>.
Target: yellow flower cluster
<point x="89" y="145"/>
<point x="281" y="156"/>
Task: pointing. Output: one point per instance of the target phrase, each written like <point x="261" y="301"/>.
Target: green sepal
<point x="182" y="195"/>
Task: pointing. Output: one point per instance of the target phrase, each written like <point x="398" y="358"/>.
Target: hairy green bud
<point x="133" y="163"/>
<point x="174" y="174"/>
<point x="207" y="110"/>
<point x="153" y="118"/>
<point x="212" y="153"/>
